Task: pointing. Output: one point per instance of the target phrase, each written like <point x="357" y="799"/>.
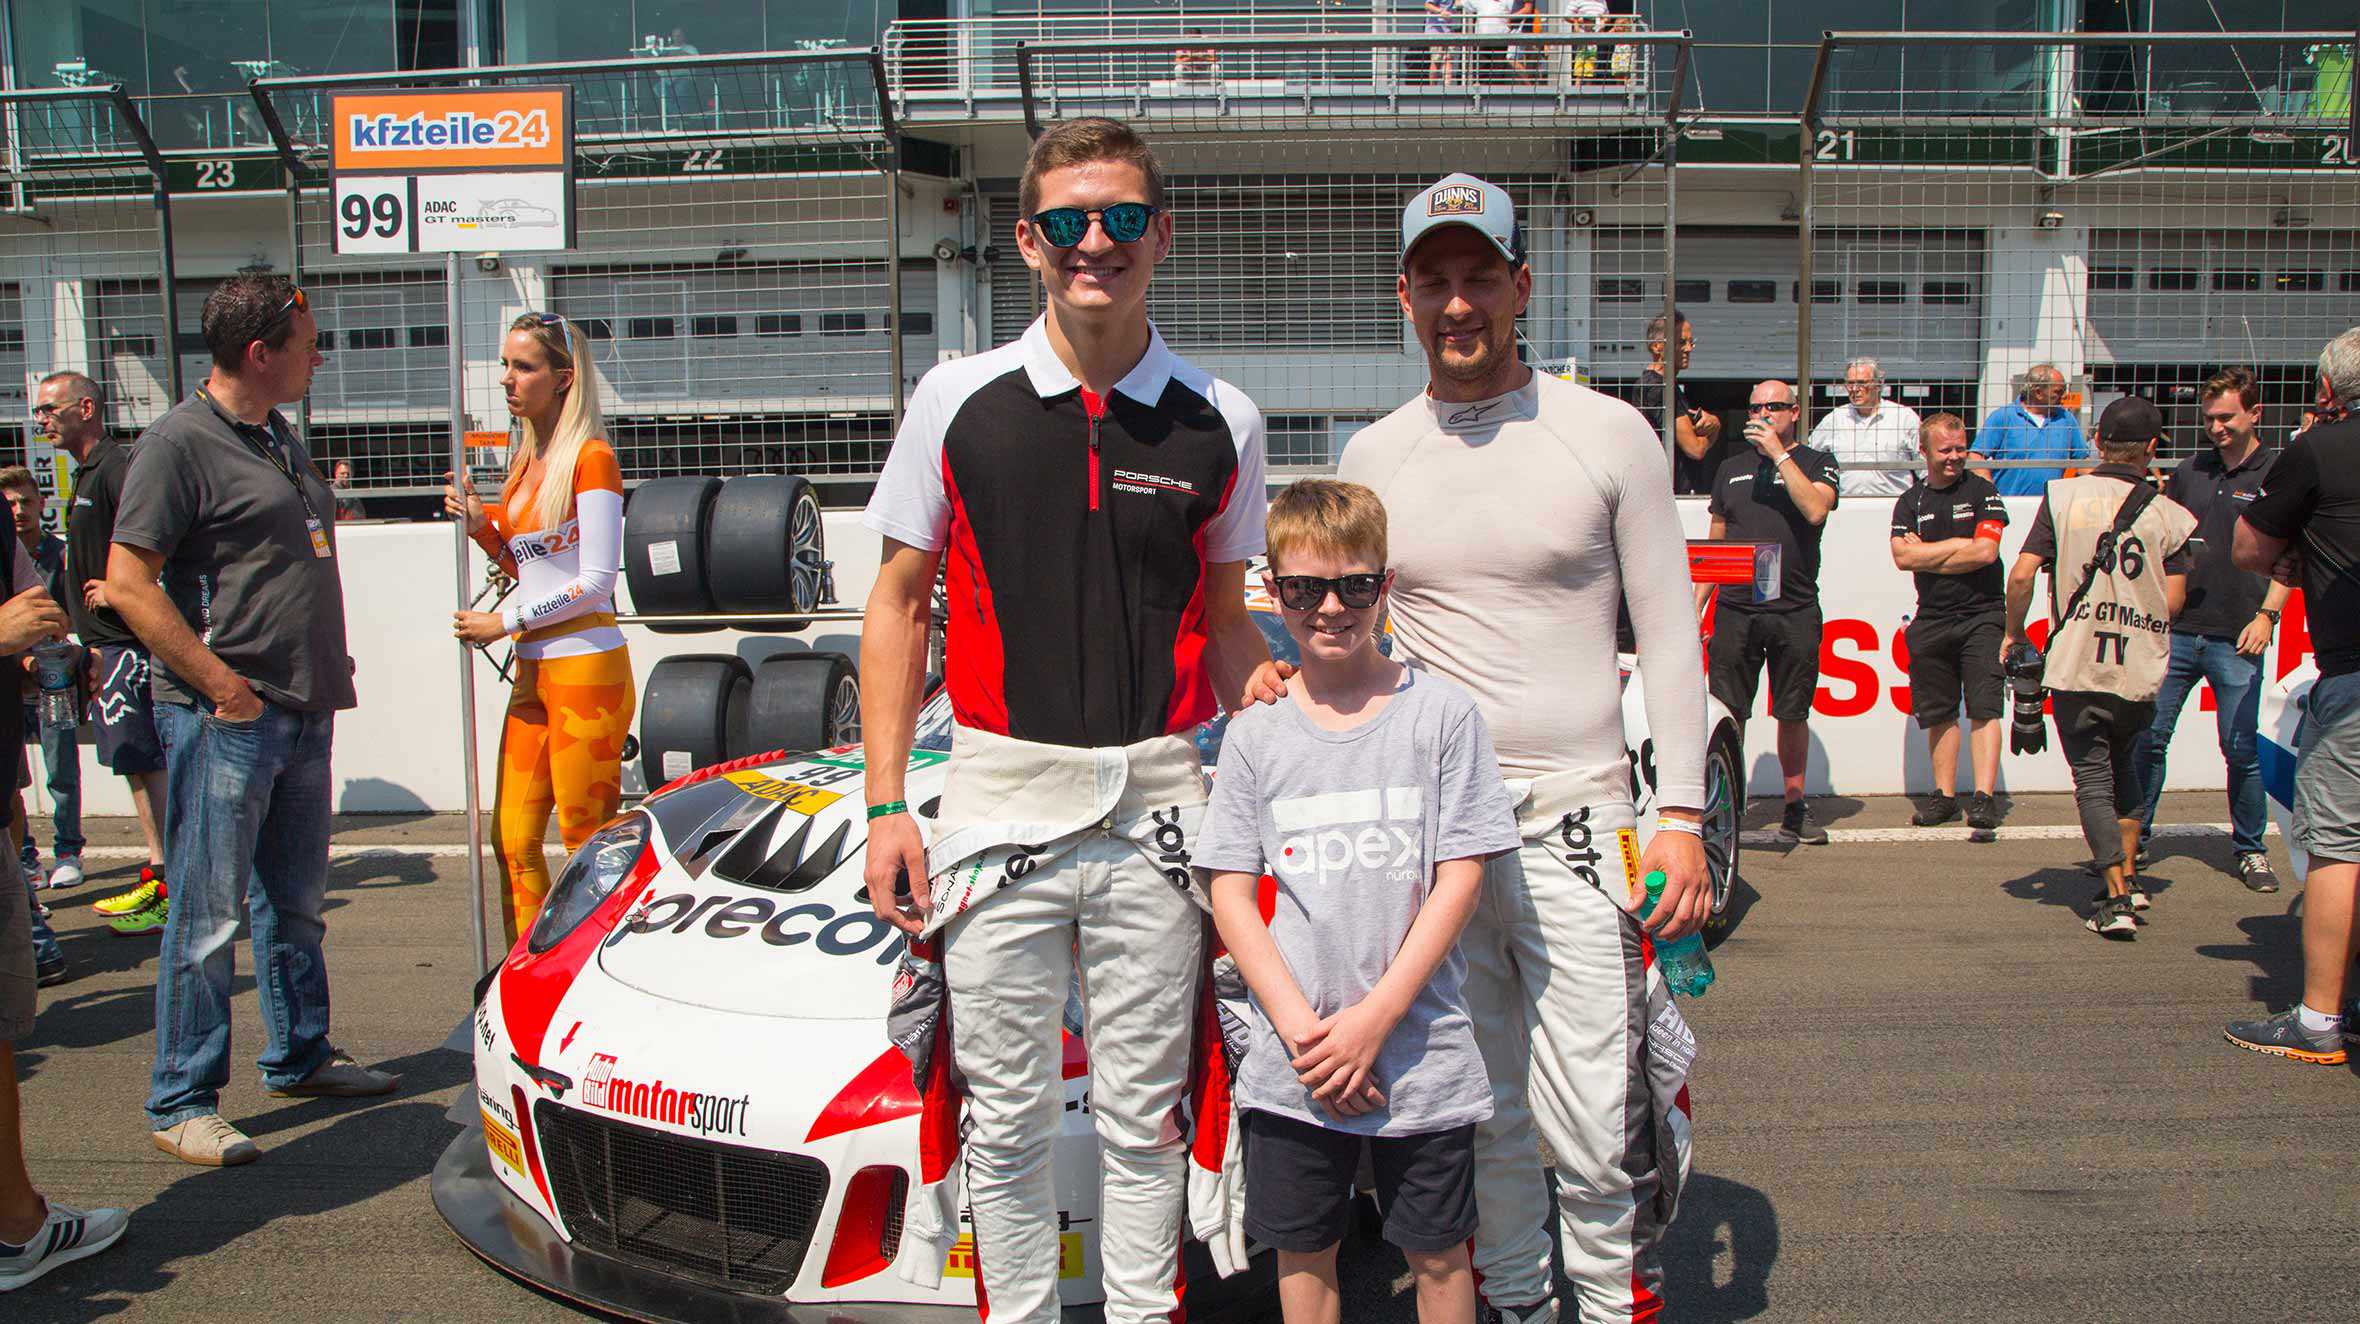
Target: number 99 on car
<point x="374" y="214"/>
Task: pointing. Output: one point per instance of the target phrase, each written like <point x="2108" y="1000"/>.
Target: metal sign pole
<point x="461" y="475"/>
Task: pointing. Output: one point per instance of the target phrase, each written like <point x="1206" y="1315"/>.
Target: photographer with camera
<point x="2124" y="552"/>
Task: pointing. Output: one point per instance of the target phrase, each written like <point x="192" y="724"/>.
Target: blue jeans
<point x="61" y="761"/>
<point x="247" y="830"/>
<point x="2237" y="689"/>
<point x="45" y="948"/>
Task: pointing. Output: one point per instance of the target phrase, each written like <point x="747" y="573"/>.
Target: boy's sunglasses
<point x="1306" y="592"/>
<point x="1124" y="222"/>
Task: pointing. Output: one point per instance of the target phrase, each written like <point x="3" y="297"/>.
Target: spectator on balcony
<point x="1197" y="65"/>
<point x="1524" y="19"/>
<point x="1869" y="431"/>
<point x="1442" y="20"/>
<point x="2035" y="426"/>
<point x="1587" y="16"/>
<point x="1492" y="19"/>
<point x="1696" y="433"/>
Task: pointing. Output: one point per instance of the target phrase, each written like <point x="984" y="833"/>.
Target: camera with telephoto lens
<point x="2028" y="729"/>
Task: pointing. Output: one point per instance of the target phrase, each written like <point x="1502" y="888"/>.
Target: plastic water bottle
<point x="53" y="671"/>
<point x="1686" y="966"/>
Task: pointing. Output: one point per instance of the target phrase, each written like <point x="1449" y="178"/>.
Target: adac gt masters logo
<point x="655" y="1101"/>
<point x="1455" y="200"/>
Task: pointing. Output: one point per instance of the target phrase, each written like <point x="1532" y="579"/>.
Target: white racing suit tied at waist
<point x="1584" y="1045"/>
<point x="1048" y="861"/>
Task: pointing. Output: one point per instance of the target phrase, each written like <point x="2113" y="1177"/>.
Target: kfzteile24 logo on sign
<point x="453" y="170"/>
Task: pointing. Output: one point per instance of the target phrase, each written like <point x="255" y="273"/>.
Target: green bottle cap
<point x="1654" y="882"/>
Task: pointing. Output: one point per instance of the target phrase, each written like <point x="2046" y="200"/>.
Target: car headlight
<point x="590" y="877"/>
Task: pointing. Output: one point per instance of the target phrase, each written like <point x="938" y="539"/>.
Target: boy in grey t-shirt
<point x="1370" y="794"/>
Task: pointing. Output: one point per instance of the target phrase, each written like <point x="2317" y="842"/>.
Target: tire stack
<point x="752" y="545"/>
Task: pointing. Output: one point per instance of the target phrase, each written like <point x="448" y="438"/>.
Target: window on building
<point x="843" y="324"/>
<point x="1753" y="291"/>
<point x="2302" y="282"/>
<point x="429" y="337"/>
<point x="710" y="326"/>
<point x="372" y="337"/>
<point x="917" y="324"/>
<point x="1619" y="289"/>
<point x="2242" y="281"/>
<point x="778" y="324"/>
<point x="2347" y="282"/>
<point x="2104" y="279"/>
<point x="2172" y="279"/>
<point x="651" y="328"/>
<point x="1822" y="291"/>
<point x="596" y="328"/>
<point x="1949" y="293"/>
<point x="326" y="341"/>
<point x="1883" y="292"/>
<point x="1685" y="292"/>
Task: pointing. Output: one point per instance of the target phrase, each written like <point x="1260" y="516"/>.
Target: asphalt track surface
<point x="1925" y="1095"/>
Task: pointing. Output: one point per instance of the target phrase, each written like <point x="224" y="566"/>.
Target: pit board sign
<point x="453" y="170"/>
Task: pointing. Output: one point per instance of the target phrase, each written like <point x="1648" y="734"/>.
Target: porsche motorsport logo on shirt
<point x="1141" y="483"/>
<point x="1455" y="200"/>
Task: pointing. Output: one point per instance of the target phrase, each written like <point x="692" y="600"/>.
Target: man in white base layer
<point x="1519" y="609"/>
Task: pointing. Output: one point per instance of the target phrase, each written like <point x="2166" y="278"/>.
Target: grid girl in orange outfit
<point x="559" y="530"/>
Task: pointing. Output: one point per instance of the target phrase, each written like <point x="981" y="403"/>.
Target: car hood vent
<point x="790" y="867"/>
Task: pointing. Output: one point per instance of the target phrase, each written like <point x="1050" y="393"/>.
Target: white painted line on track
<point x="1768" y="837"/>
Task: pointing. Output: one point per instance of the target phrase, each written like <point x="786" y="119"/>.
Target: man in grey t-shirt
<point x="225" y="508"/>
<point x="1350" y="825"/>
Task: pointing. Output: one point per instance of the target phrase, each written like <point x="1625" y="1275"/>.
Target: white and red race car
<point x="686" y="1105"/>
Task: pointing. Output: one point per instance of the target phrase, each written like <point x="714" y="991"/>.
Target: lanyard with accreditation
<point x="275" y="453"/>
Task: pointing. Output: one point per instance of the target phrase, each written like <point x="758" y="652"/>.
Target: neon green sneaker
<point x="148" y="919"/>
<point x="151" y="886"/>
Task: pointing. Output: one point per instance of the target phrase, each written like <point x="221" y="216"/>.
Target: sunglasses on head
<point x="1306" y="592"/>
<point x="545" y="319"/>
<point x="1124" y="223"/>
<point x="284" y="312"/>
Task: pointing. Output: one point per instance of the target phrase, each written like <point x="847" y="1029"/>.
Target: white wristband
<point x="1669" y="824"/>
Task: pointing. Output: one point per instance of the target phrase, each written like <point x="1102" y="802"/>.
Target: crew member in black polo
<point x="1946" y="531"/>
<point x="2224" y="632"/>
<point x="1776" y="492"/>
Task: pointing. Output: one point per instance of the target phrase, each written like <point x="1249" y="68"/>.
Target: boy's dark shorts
<point x="1299" y="1184"/>
<point x="1953" y="659"/>
<point x="1786" y="641"/>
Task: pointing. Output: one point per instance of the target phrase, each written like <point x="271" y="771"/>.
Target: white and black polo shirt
<point x="1075" y="531"/>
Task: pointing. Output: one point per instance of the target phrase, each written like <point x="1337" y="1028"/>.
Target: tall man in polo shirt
<point x="70" y="409"/>
<point x="2224" y="631"/>
<point x="1869" y="430"/>
<point x="2306" y="524"/>
<point x="1775" y="492"/>
<point x="2034" y="426"/>
<point x="1946" y="531"/>
<point x="1093" y="499"/>
<point x="1577" y="1030"/>
<point x="224" y="566"/>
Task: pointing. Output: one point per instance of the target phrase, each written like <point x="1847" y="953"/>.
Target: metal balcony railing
<point x="966" y="69"/>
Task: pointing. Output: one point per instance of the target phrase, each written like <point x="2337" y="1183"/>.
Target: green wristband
<point x="889" y="807"/>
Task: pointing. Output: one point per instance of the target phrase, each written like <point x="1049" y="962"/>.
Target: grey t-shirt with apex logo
<point x="238" y="557"/>
<point x="1350" y="824"/>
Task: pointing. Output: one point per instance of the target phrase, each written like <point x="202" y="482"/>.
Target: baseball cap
<point x="2130" y="419"/>
<point x="1462" y="199"/>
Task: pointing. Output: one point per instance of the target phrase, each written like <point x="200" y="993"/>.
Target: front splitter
<point x="507" y="1234"/>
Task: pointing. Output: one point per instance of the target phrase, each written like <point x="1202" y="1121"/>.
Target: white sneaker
<point x="67" y="872"/>
<point x="65" y="1236"/>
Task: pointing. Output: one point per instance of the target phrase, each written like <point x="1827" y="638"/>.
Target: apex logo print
<point x="1455" y="200"/>
<point x="1375" y="829"/>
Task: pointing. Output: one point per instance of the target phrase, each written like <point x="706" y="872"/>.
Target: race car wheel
<point x="693" y="714"/>
<point x="766" y="546"/>
<point x="803" y="701"/>
<point x="1724" y="812"/>
<point x="664" y="557"/>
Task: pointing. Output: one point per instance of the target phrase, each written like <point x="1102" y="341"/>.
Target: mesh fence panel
<point x="730" y="271"/>
<point x="80" y="260"/>
<point x="2137" y="211"/>
<point x="1288" y="176"/>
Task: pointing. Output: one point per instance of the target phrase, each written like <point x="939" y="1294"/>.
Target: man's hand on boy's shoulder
<point x="1339" y="1063"/>
<point x="1268" y="684"/>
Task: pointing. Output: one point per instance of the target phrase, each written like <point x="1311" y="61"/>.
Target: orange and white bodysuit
<point x="561" y="746"/>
